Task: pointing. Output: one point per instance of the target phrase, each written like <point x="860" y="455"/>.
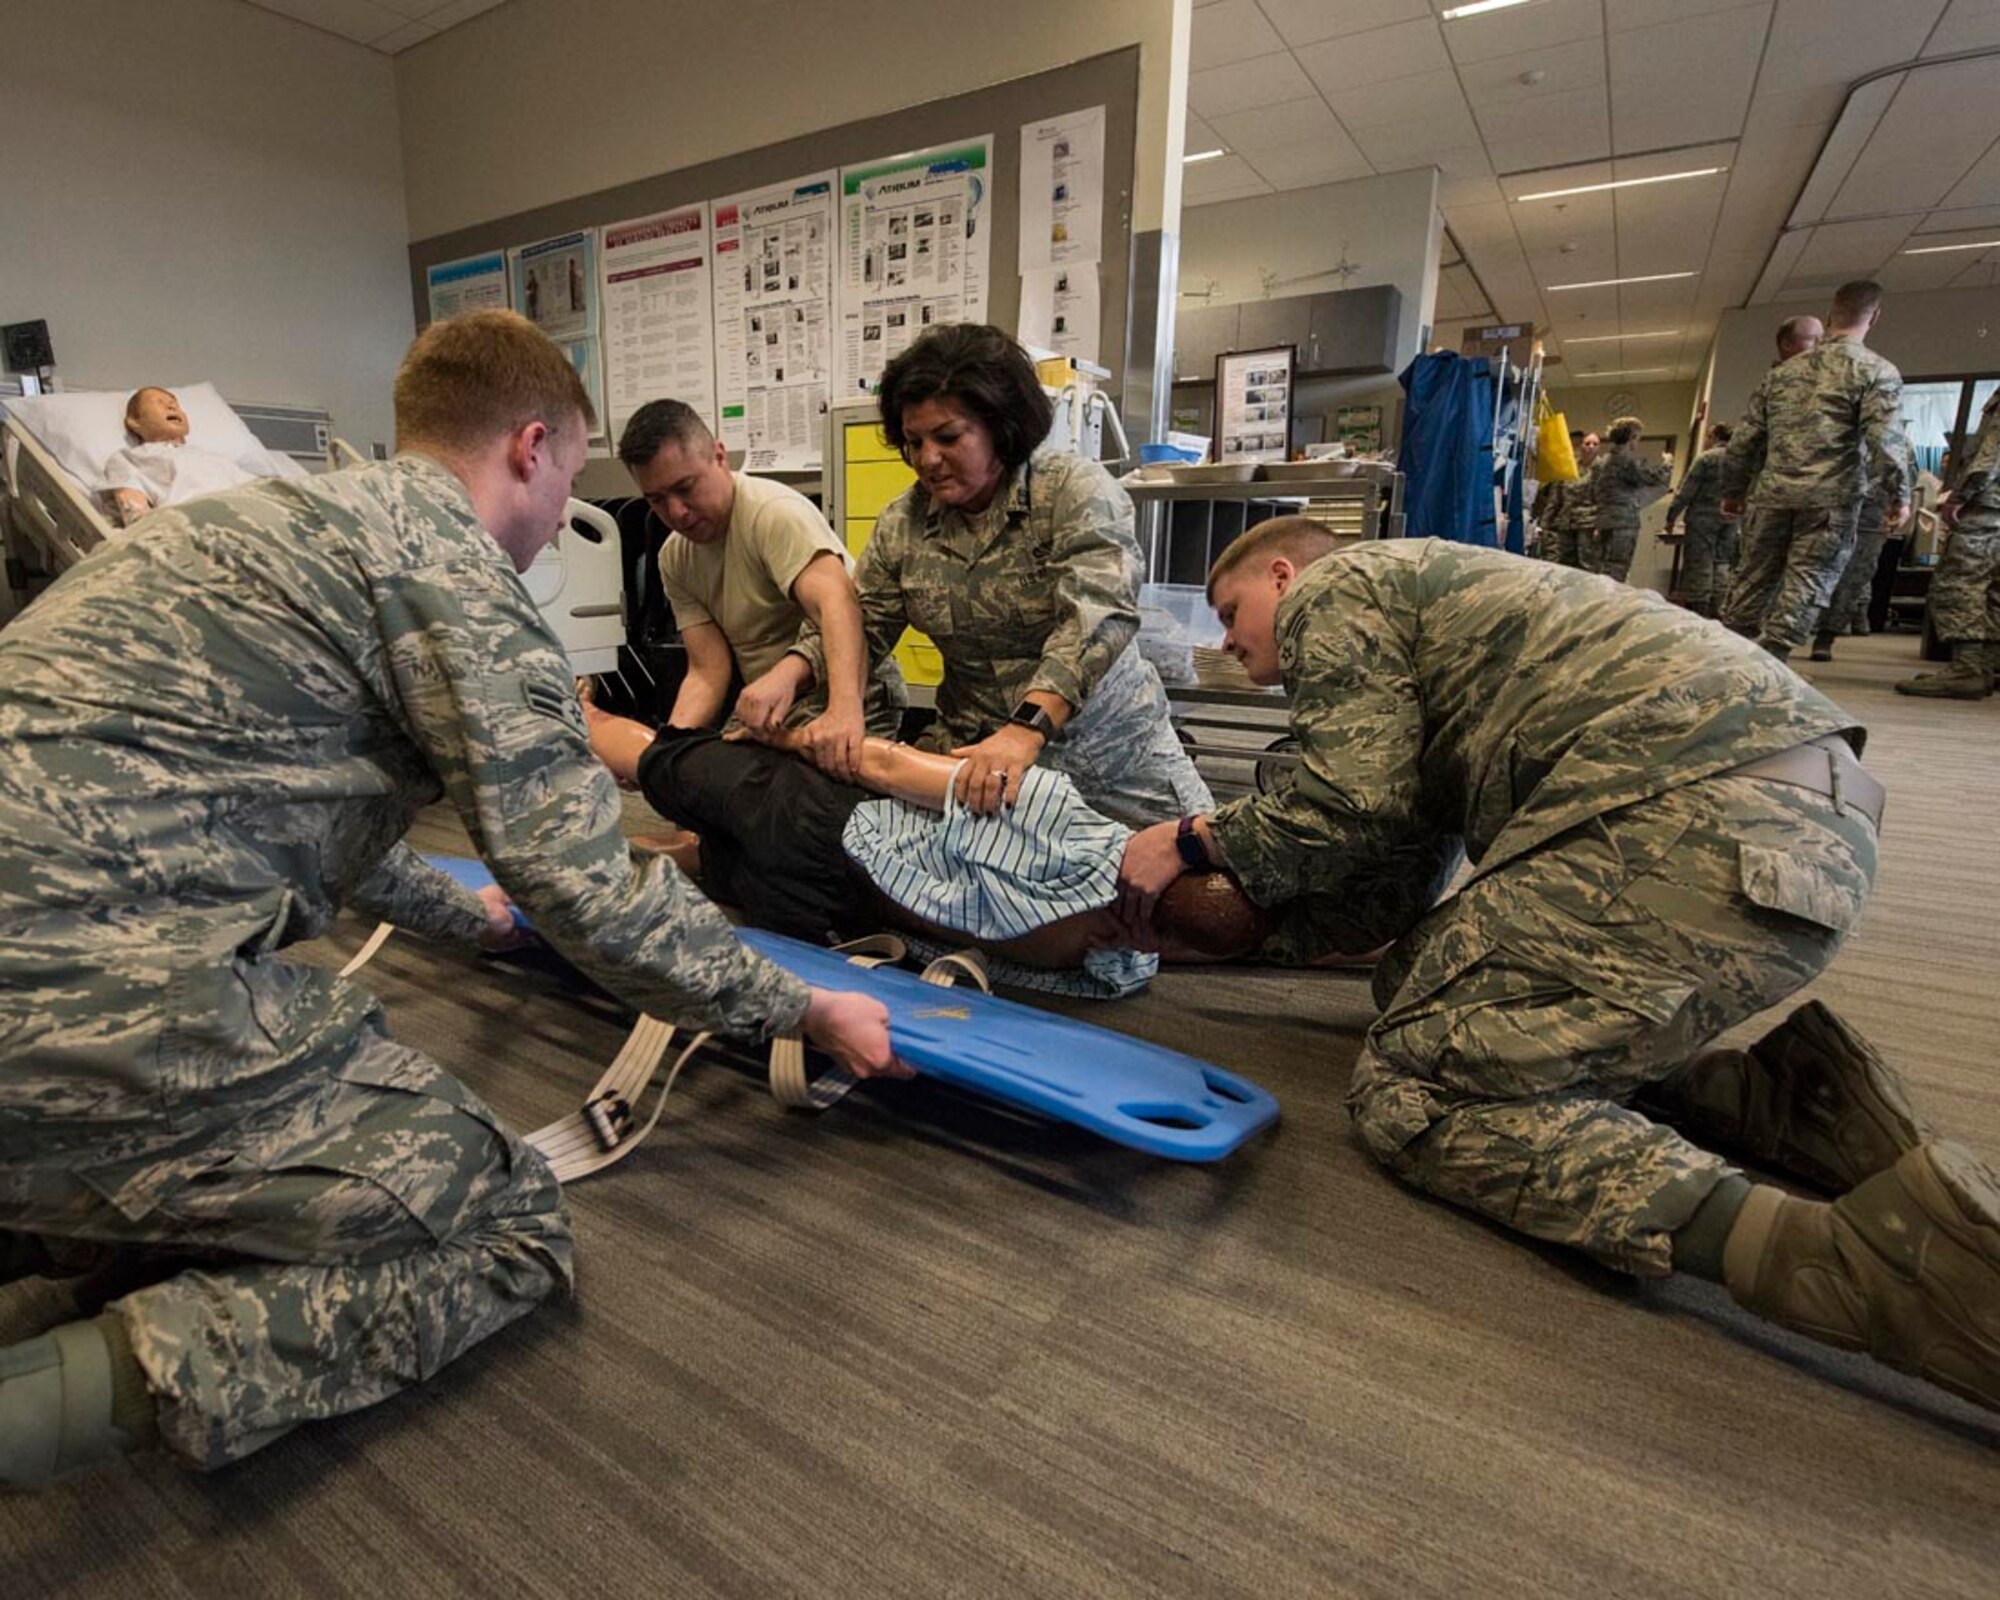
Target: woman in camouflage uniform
<point x="1620" y="483"/>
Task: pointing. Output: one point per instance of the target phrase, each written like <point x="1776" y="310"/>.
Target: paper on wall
<point x="915" y="244"/>
<point x="478" y="283"/>
<point x="659" y="328"/>
<point x="1060" y="308"/>
<point x="774" y="288"/>
<point x="555" y="285"/>
<point x="1062" y="190"/>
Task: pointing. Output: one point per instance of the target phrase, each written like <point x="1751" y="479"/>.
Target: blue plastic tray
<point x="1132" y="1092"/>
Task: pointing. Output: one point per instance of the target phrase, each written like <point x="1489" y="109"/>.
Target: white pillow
<point x="85" y="428"/>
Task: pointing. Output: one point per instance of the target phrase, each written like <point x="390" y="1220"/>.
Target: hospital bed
<point x="52" y="453"/>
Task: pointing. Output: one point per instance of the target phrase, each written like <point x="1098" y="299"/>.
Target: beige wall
<point x="205" y="190"/>
<point x="1663" y="407"/>
<point x="1929" y="334"/>
<point x="540" y="100"/>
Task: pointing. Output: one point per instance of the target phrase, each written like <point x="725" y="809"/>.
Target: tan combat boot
<point x="1968" y="677"/>
<point x="1906" y="1267"/>
<point x="1811" y="1099"/>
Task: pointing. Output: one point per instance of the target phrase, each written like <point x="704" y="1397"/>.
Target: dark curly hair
<point x="976" y="367"/>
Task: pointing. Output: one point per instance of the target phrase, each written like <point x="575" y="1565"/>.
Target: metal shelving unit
<point x="1183" y="527"/>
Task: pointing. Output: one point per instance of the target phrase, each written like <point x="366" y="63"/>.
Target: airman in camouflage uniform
<point x="1619" y="485"/>
<point x="1849" y="607"/>
<point x="1708" y="547"/>
<point x="1817" y="431"/>
<point x="1569" y="512"/>
<point x="1669" y="833"/>
<point x="1037" y="592"/>
<point x="1965" y="589"/>
<point x="213" y="733"/>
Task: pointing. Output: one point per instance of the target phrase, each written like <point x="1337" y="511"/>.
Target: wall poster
<point x="774" y="287"/>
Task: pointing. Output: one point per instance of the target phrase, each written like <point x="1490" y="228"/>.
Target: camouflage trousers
<point x="1607" y="551"/>
<point x="321" y="1247"/>
<point x="1708" y="562"/>
<point x="1965" y="590"/>
<point x="1522" y="1016"/>
<point x="1791" y="563"/>
<point x="1849" y="604"/>
<point x="1120" y="749"/>
<point x="1563" y="542"/>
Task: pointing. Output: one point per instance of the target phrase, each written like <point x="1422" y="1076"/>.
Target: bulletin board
<point x="1110" y="80"/>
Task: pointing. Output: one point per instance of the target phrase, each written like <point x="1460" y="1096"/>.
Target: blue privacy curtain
<point x="1447" y="454"/>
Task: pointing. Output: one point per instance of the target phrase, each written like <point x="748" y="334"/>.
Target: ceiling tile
<point x="1242" y="85"/>
<point x="1199" y="136"/>
<point x="1535" y="27"/>
<point x="402" y="38"/>
<point x="1311" y="161"/>
<point x="360" y="20"/>
<point x="1307" y="21"/>
<point x="1462" y="161"/>
<point x="1626" y="14"/>
<point x="1689" y="80"/>
<point x="1398" y="146"/>
<point x="1845" y="250"/>
<point x="1981" y="184"/>
<point x="1967" y="25"/>
<point x="1394" y="52"/>
<point x="1289" y="122"/>
<point x="1978" y="218"/>
<point x="1564" y="67"/>
<point x="1427" y="94"/>
<point x="1935" y="131"/>
<point x="1472" y="190"/>
<point x="1225" y="179"/>
<point x="1911" y="274"/>
<point x="1230" y="30"/>
<point x="1837" y="41"/>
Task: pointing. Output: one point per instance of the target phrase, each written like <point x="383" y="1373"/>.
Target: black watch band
<point x="1194" y="854"/>
<point x="1029" y="715"/>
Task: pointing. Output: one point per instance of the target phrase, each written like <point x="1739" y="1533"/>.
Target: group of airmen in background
<point x="1784" y="515"/>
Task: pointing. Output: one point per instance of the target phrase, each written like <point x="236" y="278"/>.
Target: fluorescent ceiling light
<point x="1621" y="372"/>
<point x="1622" y="183"/>
<point x="1202" y="155"/>
<point x="1479" y="8"/>
<point x="1940" y="249"/>
<point x="1605" y="283"/>
<point x="1607" y="338"/>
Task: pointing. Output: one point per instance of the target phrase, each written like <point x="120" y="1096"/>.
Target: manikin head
<point x="490" y="397"/>
<point x="680" y="468"/>
<point x="1251" y="576"/>
<point x="154" y="416"/>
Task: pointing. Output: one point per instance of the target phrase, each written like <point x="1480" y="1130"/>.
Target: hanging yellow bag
<point x="1555" y="459"/>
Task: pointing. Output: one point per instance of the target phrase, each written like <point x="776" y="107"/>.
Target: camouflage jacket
<point x="1984" y="454"/>
<point x="1443" y="688"/>
<point x="215" y="730"/>
<point x="1578" y="508"/>
<point x="1818" y="429"/>
<point x="1699" y="498"/>
<point x="1040" y="591"/>
<point x="1619" y="483"/>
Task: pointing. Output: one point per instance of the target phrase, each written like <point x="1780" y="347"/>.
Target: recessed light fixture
<point x="1940" y="249"/>
<point x="1622" y="183"/>
<point x="1605" y="283"/>
<point x="1479" y="8"/>
<point x="1607" y="338"/>
<point x="1202" y="155"/>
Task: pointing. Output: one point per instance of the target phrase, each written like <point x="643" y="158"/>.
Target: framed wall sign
<point x="1253" y="403"/>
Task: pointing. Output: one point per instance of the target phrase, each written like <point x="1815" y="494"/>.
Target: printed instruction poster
<point x="555" y="288"/>
<point x="1062" y="190"/>
<point x="659" y="327"/>
<point x="478" y="283"/>
<point x="1253" y="406"/>
<point x="915" y="247"/>
<point x="774" y="288"/>
<point x="1059" y="309"/>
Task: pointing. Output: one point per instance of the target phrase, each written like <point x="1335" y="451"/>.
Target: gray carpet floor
<point x="918" y="1347"/>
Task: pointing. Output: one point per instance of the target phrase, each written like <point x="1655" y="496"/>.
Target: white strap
<point x="791" y="1085"/>
<point x="366" y="953"/>
<point x="605" y="1131"/>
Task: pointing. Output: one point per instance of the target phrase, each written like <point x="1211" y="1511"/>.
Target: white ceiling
<point x="1561" y="93"/>
<point x="386" y="25"/>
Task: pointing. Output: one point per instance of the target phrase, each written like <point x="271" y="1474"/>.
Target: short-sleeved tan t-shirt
<point x="743" y="582"/>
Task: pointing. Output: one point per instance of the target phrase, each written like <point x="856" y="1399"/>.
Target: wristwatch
<point x="1029" y="715"/>
<point x="1194" y="854"/>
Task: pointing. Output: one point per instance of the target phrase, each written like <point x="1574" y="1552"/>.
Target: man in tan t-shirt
<point x="748" y="561"/>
